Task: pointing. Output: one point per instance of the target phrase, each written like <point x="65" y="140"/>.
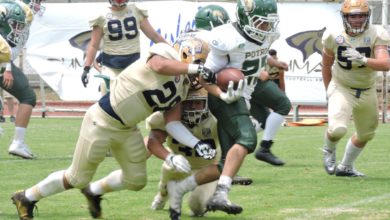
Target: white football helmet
<point x="195" y="107"/>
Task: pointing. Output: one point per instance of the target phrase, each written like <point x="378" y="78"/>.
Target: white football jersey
<point x="121" y="29"/>
<point x="5" y="52"/>
<point x="139" y="91"/>
<point x="229" y="47"/>
<point x="350" y="73"/>
<point x="205" y="131"/>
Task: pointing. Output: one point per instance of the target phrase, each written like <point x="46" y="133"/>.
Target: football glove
<point x="85" y="76"/>
<point x="178" y="162"/>
<point x="354" y="55"/>
<point x="232" y="95"/>
<point x="207" y="74"/>
<point x="205" y="150"/>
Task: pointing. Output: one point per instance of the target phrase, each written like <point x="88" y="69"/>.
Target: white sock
<point x="351" y="153"/>
<point x="19" y="134"/>
<point x="330" y="145"/>
<point x="110" y="183"/>
<point x="273" y="123"/>
<point x="189" y="183"/>
<point x="51" y="185"/>
<point x="225" y="180"/>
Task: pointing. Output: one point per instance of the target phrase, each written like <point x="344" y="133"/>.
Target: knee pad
<point x="338" y="132"/>
<point x="27" y="97"/>
<point x="136" y="178"/>
<point x="366" y="137"/>
<point x="284" y="106"/>
<point x="75" y="182"/>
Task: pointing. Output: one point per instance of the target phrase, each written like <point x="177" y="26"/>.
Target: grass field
<point x="299" y="190"/>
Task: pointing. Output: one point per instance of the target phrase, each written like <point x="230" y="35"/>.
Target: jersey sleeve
<point x="97" y="21"/>
<point x="328" y="40"/>
<point x="383" y="36"/>
<point x="155" y="121"/>
<point x="5" y="51"/>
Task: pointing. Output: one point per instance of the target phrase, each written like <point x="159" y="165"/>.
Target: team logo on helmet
<point x="249" y="5"/>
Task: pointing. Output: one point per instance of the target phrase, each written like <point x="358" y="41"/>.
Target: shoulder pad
<point x="225" y="38"/>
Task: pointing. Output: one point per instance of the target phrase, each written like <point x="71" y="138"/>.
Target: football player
<point x="181" y="160"/>
<point x="351" y="58"/>
<point x="14" y="22"/>
<point x="157" y="83"/>
<point x="276" y="70"/>
<point x="5" y="57"/>
<point x="229" y="47"/>
<point x="36" y="6"/>
<point x="117" y="30"/>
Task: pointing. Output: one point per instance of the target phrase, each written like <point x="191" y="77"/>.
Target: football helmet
<point x="12" y="22"/>
<point x="192" y="50"/>
<point x="36" y="6"/>
<point x="195" y="107"/>
<point x="258" y="19"/>
<point x="211" y="16"/>
<point x="360" y="8"/>
<point x="118" y="3"/>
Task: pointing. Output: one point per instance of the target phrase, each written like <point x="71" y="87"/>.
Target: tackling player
<point x="350" y="60"/>
<point x="157" y="83"/>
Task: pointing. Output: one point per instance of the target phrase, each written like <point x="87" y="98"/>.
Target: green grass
<point x="299" y="190"/>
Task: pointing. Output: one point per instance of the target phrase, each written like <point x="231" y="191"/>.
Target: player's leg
<point x="198" y="198"/>
<point x="339" y="113"/>
<point x="84" y="164"/>
<point x="269" y="95"/>
<point x="167" y="174"/>
<point x="365" y="117"/>
<point x="22" y="91"/>
<point x="237" y="138"/>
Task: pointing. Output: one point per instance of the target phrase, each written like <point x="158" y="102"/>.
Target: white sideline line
<point x="333" y="211"/>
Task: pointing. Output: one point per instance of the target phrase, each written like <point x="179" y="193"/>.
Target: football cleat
<point x="24" y="207"/>
<point x="174" y="215"/>
<point x="20" y="149"/>
<point x="348" y="171"/>
<point x="12" y="119"/>
<point x="159" y="202"/>
<point x="329" y="160"/>
<point x="2" y="119"/>
<point x="219" y="201"/>
<point x="240" y="180"/>
<point x="265" y="154"/>
<point x="93" y="202"/>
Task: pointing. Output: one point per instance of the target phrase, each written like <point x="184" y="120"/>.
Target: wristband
<point x="8" y="67"/>
<point x="193" y="68"/>
<point x="87" y="68"/>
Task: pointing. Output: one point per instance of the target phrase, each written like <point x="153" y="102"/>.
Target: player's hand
<point x="85" y="76"/>
<point x="232" y="95"/>
<point x="354" y="55"/>
<point x="178" y="162"/>
<point x="8" y="79"/>
<point x="205" y="150"/>
<point x="206" y="74"/>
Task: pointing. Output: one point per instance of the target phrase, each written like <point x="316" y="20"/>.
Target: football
<point x="228" y="74"/>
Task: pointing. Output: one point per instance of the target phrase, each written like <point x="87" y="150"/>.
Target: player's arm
<point x="149" y="31"/>
<point x="178" y="131"/>
<point x="381" y="62"/>
<point x="276" y="63"/>
<point x="155" y="142"/>
<point x="169" y="67"/>
<point x="327" y="62"/>
<point x="93" y="46"/>
<point x="282" y="84"/>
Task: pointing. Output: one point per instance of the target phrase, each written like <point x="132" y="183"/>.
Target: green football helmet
<point x="12" y="22"/>
<point x="211" y="16"/>
<point x="258" y="18"/>
<point x="36" y="6"/>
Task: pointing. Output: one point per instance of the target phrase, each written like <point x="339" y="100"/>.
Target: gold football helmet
<point x="356" y="16"/>
<point x="192" y="50"/>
